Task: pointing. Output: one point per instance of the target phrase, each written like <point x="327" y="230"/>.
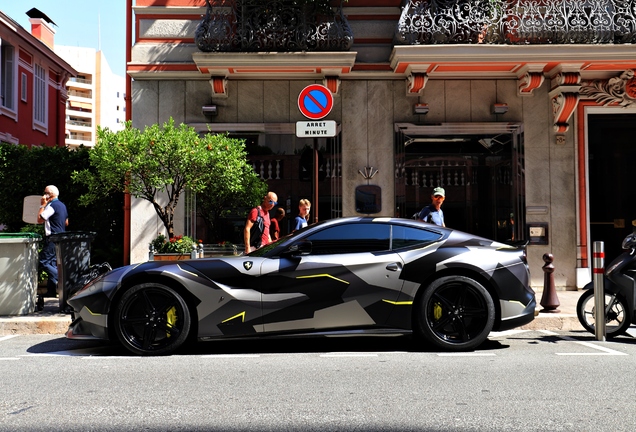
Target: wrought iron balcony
<point x="517" y="22"/>
<point x="273" y="26"/>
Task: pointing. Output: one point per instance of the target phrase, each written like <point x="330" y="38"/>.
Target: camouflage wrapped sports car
<point x="448" y="287"/>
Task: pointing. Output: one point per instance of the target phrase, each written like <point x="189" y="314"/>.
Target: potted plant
<point x="175" y="248"/>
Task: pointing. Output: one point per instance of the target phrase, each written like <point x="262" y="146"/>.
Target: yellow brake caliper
<point x="437" y="311"/>
<point x="171" y="318"/>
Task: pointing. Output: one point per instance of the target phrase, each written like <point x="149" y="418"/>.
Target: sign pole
<point x="315" y="102"/>
<point x="314" y="203"/>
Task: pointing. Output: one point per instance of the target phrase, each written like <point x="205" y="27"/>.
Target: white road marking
<point x="4" y="338"/>
<point x="506" y="333"/>
<point x="606" y="351"/>
<point x="9" y="358"/>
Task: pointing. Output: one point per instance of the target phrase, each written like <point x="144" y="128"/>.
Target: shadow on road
<point x="578" y="335"/>
<point x="263" y="345"/>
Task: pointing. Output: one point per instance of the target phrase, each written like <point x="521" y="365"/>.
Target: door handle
<point x="394" y="267"/>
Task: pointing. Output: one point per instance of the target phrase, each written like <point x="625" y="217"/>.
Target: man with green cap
<point x="433" y="213"/>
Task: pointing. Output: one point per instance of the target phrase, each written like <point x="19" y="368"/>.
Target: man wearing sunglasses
<point x="433" y="213"/>
<point x="256" y="232"/>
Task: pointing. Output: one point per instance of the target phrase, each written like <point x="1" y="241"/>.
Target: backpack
<point x="428" y="218"/>
<point x="256" y="232"/>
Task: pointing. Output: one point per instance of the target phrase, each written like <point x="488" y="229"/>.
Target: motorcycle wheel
<point x="616" y="319"/>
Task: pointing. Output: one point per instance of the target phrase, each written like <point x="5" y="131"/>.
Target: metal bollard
<point x="194" y="253"/>
<point x="151" y="252"/>
<point x="549" y="299"/>
<point x="598" y="254"/>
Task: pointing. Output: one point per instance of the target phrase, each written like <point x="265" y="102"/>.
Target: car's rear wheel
<point x="151" y="319"/>
<point x="455" y="313"/>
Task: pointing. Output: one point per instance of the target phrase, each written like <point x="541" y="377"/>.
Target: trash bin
<point x="73" y="250"/>
<point x="18" y="273"/>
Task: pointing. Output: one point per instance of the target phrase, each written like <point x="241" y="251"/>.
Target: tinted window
<point x="407" y="236"/>
<point x="351" y="238"/>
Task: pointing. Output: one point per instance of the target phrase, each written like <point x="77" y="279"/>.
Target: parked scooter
<point x="620" y="293"/>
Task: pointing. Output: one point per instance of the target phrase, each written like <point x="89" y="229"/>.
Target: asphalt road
<point x="517" y="381"/>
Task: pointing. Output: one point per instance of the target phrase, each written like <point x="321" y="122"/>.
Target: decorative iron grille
<point x="273" y="25"/>
<point x="517" y="22"/>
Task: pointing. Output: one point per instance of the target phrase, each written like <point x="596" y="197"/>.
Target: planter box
<point x="18" y="273"/>
<point x="171" y="257"/>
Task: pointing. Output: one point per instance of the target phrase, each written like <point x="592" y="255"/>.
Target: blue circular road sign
<point x="315" y="101"/>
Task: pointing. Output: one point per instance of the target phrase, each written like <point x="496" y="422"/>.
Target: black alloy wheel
<point x="151" y="319"/>
<point x="616" y="316"/>
<point x="456" y="313"/>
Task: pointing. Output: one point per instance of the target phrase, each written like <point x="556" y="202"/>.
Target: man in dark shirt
<point x="433" y="213"/>
<point x="53" y="215"/>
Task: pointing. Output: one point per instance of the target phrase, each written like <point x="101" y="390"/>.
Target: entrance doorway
<point x="612" y="196"/>
<point x="481" y="167"/>
<point x="279" y="158"/>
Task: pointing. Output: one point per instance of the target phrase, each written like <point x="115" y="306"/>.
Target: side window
<point x="404" y="237"/>
<point x="39" y="99"/>
<point x="7" y="74"/>
<point x="351" y="238"/>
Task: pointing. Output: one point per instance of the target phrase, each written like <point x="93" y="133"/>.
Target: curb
<point x="554" y="323"/>
<point x="34" y="325"/>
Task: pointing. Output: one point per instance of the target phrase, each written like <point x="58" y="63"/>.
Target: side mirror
<point x="298" y="249"/>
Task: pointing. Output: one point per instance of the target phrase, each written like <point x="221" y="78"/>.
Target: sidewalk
<point x="50" y="321"/>
<point x="565" y="319"/>
<point x="47" y="321"/>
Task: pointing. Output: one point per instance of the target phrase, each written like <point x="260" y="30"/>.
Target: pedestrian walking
<point x="54" y="216"/>
<point x="256" y="231"/>
<point x="304" y="206"/>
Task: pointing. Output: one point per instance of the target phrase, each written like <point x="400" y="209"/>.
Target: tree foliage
<point x="28" y="170"/>
<point x="159" y="163"/>
<point x="215" y="203"/>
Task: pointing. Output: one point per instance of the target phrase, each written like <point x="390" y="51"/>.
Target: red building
<point x="32" y="83"/>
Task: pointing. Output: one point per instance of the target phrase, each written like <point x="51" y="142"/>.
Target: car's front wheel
<point x="455" y="313"/>
<point x="151" y="319"/>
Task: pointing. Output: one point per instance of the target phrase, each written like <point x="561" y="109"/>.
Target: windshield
<point x="268" y="247"/>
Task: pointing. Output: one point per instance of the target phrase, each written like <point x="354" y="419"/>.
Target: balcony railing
<point x="78" y="123"/>
<point x="81" y="80"/>
<point x="273" y="26"/>
<point x="517" y="22"/>
<point x="83" y="94"/>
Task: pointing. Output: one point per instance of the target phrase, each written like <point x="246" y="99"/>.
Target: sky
<point x="99" y="24"/>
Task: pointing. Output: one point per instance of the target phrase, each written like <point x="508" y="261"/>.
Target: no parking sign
<point x="315" y="101"/>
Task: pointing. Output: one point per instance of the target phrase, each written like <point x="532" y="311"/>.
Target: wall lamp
<point x="499" y="108"/>
<point x="209" y="110"/>
<point x="420" y="108"/>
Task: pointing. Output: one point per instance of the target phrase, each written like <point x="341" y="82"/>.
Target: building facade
<point x="521" y="109"/>
<point x="32" y="84"/>
<point x="96" y="96"/>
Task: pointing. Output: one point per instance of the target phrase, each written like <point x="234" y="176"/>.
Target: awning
<point x="80" y="105"/>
